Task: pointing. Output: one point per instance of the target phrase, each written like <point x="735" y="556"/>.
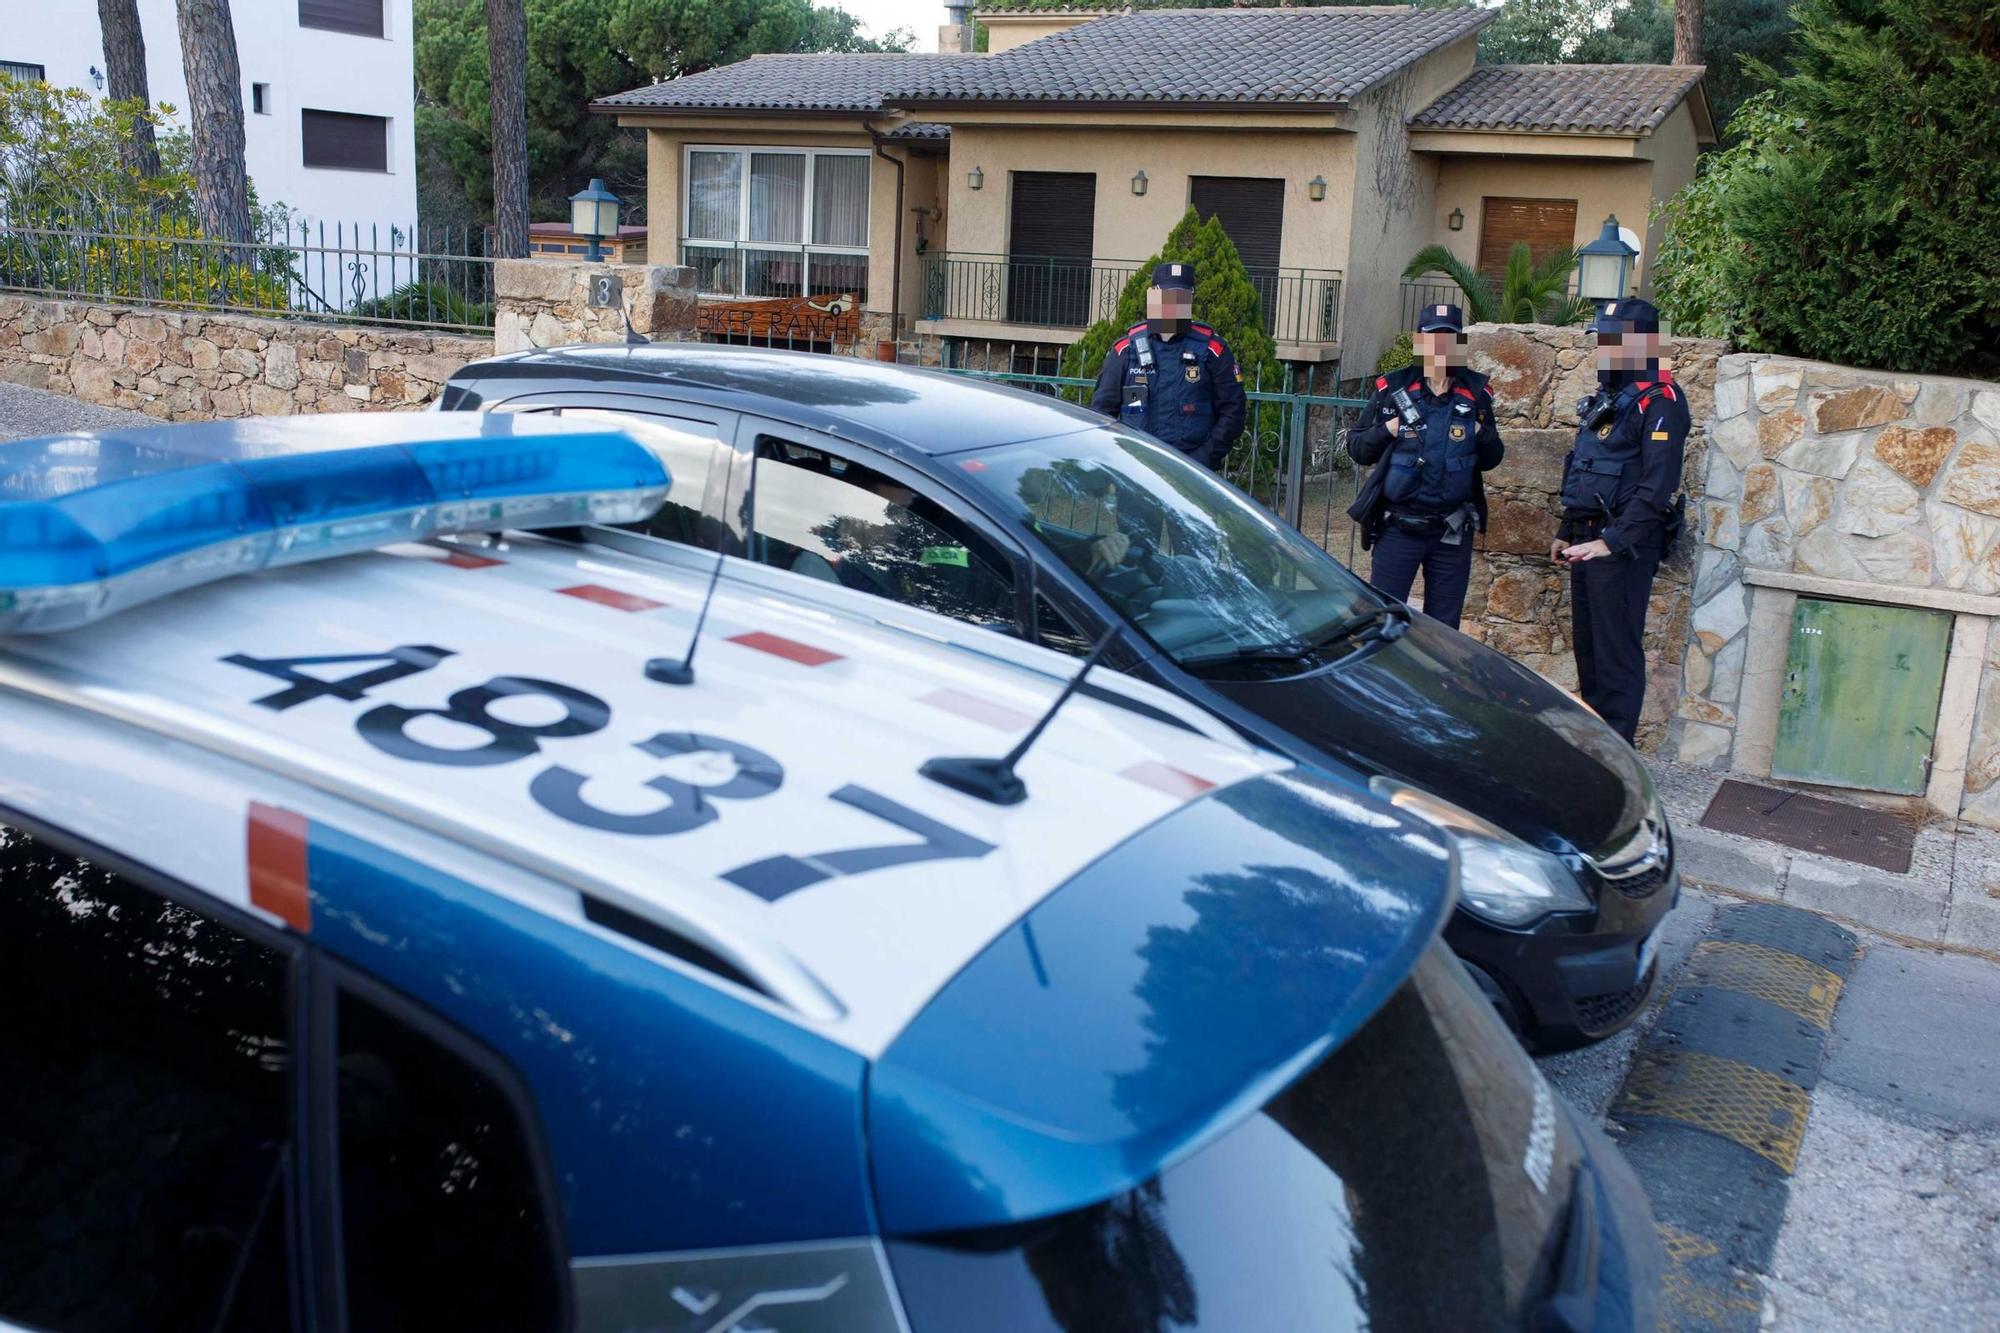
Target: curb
<point x="1715" y="1104"/>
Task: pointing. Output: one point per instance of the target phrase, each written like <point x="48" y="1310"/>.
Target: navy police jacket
<point x="1433" y="468"/>
<point x="1193" y="392"/>
<point x="1624" y="473"/>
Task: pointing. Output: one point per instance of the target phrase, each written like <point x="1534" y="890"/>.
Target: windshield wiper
<point x="1290" y="650"/>
<point x="1388" y="620"/>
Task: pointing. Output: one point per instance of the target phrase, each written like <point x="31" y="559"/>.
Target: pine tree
<point x="215" y="115"/>
<point x="125" y="75"/>
<point x="1224" y="299"/>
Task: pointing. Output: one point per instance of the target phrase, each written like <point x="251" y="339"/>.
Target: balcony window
<point x="776" y="222"/>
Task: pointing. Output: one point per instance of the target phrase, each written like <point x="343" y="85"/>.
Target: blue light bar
<point x="93" y="523"/>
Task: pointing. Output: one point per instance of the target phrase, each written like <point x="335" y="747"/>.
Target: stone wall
<point x="188" y="365"/>
<point x="1824" y="480"/>
<point x="546" y="303"/>
<point x="1519" y="601"/>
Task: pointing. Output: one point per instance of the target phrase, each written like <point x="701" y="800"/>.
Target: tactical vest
<point x="1178" y="404"/>
<point x="1603" y="466"/>
<point x="1436" y="467"/>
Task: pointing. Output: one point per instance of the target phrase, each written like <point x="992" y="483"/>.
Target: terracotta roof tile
<point x="1575" y="99"/>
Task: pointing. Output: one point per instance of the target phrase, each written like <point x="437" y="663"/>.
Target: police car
<point x="1041" y="520"/>
<point x="401" y="928"/>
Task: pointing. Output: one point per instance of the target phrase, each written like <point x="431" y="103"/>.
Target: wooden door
<point x="1547" y="225"/>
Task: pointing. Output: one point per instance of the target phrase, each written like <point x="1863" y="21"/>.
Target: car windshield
<point x="1414" y="1179"/>
<point x="1195" y="565"/>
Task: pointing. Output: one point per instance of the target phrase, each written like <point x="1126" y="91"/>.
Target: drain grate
<point x="1878" y="838"/>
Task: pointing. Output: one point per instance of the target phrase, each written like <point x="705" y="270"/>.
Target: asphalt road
<point x="1893" y="1216"/>
<point x="36" y="412"/>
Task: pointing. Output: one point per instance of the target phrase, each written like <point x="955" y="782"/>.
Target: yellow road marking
<point x="1727" y="1098"/>
<point x="1785" y="979"/>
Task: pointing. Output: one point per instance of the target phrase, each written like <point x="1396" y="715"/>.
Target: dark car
<point x="1042" y="520"/>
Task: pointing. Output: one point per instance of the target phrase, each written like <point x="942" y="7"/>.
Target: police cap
<point x="1435" y="317"/>
<point x="1170" y="276"/>
<point x="1628" y="316"/>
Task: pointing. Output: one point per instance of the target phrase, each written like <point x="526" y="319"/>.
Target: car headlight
<point x="1500" y="877"/>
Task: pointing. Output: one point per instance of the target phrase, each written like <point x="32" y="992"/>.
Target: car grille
<point x="1598" y="1014"/>
<point x="1645" y="874"/>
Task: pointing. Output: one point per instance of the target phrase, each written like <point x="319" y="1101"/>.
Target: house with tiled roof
<point x="1006" y="195"/>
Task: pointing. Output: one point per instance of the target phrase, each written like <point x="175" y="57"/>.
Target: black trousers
<point x="1607" y="608"/>
<point x="1447" y="569"/>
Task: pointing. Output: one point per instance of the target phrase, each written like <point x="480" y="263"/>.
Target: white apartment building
<point x="328" y="96"/>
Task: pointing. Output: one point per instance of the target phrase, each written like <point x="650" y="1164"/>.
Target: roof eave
<point x="748" y="112"/>
<point x="916" y="104"/>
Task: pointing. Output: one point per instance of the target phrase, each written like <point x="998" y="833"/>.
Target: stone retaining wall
<point x="546" y="303"/>
<point x="192" y="366"/>
<point x="1857" y="485"/>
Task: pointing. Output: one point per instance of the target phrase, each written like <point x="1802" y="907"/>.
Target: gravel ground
<point x="26" y="412"/>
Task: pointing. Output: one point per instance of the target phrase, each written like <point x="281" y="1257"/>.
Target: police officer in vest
<point x="1173" y="378"/>
<point x="1620" y="510"/>
<point x="1430" y="432"/>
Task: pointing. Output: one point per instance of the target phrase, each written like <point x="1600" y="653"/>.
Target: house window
<point x="363" y="18"/>
<point x="345" y="142"/>
<point x="776" y="222"/>
<point x="1052" y="218"/>
<point x="260" y="98"/>
<point x="15" y="69"/>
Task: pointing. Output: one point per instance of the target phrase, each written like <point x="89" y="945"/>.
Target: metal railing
<point x="1299" y="305"/>
<point x="422" y="277"/>
<point x="755" y="272"/>
<point x="1291" y="458"/>
<point x="1430" y="291"/>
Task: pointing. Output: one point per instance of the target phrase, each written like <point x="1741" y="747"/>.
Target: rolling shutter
<point x="360" y="17"/>
<point x="349" y="142"/>
<point x="1547" y="225"/>
<point x="1252" y="210"/>
<point x="1052" y="216"/>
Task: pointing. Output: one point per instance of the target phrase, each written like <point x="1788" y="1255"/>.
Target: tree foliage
<point x="1692" y="271"/>
<point x="1224" y="299"/>
<point x="1733" y="31"/>
<point x="578" y="51"/>
<point x="1866" y="231"/>
<point x="1529" y="293"/>
<point x="64" y="154"/>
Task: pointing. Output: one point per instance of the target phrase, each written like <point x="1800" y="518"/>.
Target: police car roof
<point x="926" y="411"/>
<point x="151" y="732"/>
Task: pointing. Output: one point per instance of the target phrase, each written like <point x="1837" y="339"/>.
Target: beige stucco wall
<point x="664" y="156"/>
<point x="1605" y="176"/>
<point x="1004" y="32"/>
<point x="1129" y="226"/>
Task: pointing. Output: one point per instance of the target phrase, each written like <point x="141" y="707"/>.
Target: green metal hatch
<point x="1860" y="703"/>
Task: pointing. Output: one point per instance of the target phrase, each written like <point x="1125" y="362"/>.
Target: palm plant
<point x="1530" y="293"/>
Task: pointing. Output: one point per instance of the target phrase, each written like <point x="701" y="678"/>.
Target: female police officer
<point x="1619" y="510"/>
<point x="1431" y="426"/>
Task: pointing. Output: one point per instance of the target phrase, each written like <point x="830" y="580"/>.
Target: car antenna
<point x="994" y="780"/>
<point x="665" y="669"/>
<point x="633" y="338"/>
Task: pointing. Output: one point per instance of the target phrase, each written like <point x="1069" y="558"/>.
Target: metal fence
<point x="424" y="277"/>
<point x="1299" y="304"/>
<point x="1430" y="291"/>
<point x="1292" y="457"/>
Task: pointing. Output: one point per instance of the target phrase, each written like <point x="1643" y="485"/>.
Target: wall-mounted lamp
<point x="1316" y="188"/>
<point x="975" y="179"/>
<point x="1139" y="182"/>
<point x="1457" y="220"/>
<point x="1604" y="267"/>
<point x="97" y="78"/>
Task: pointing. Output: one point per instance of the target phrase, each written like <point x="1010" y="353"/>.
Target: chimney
<point x="955" y="37"/>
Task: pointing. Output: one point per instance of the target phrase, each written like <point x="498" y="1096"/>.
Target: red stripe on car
<point x="789" y="649"/>
<point x="611" y="597"/>
<point x="275" y="853"/>
<point x="1166" y="778"/>
<point x="986" y="711"/>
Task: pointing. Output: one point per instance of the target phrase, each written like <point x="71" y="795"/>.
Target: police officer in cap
<point x="1430" y="433"/>
<point x="1173" y="378"/>
<point x="1620" y="509"/>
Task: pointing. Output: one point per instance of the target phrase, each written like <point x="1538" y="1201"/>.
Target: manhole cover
<point x="1878" y="838"/>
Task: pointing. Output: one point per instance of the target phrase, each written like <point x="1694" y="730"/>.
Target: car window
<point x="1054" y="630"/>
<point x="145" y="1130"/>
<point x="691" y="449"/>
<point x="836" y="520"/>
<point x="1194" y="565"/>
<point x="442" y="1219"/>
